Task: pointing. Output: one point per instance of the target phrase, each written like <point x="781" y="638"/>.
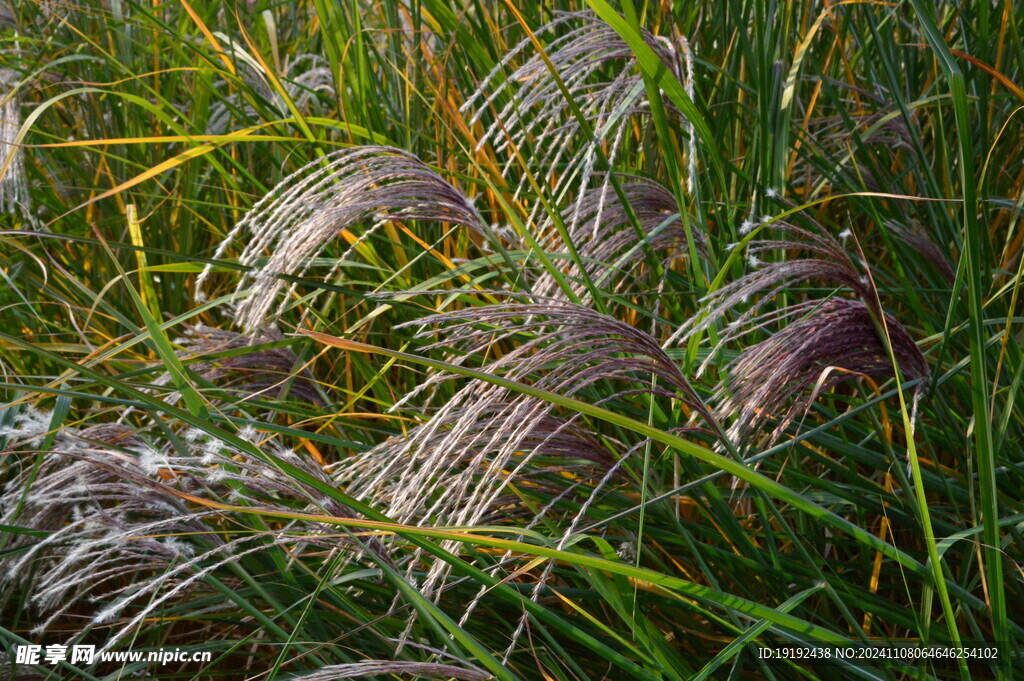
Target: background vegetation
<point x="683" y="329"/>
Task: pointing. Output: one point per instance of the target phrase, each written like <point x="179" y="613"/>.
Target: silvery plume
<point x="305" y="79"/>
<point x="84" y="496"/>
<point x="609" y="241"/>
<point x="328" y="197"/>
<point x="121" y="500"/>
<point x="458" y="467"/>
<point x="404" y="668"/>
<point x="599" y="72"/>
<point x="826" y="343"/>
<point x="215" y="470"/>
<point x="249" y="371"/>
<point x="816" y="344"/>
<point x="14" y="196"/>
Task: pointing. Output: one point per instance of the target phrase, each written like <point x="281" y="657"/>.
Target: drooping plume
<point x="607" y="239"/>
<point x="821" y="342"/>
<point x="13" y="185"/>
<point x="913" y="234"/>
<point x="826" y="344"/>
<point x="539" y="115"/>
<point x="405" y="668"/>
<point x="138" y="544"/>
<point x="304" y="79"/>
<point x="458" y="467"/>
<point x="249" y="371"/>
<point x="84" y="496"/>
<point x="828" y="261"/>
<point x="326" y="198"/>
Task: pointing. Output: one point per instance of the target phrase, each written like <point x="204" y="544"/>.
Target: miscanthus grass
<point x="13" y="189"/>
<point x="460" y="340"/>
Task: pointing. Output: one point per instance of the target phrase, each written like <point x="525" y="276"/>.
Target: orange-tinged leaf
<point x="336" y="342"/>
<point x="149" y="173"/>
<point x="209" y="36"/>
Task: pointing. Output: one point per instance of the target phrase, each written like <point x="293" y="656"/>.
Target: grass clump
<point x="456" y="340"/>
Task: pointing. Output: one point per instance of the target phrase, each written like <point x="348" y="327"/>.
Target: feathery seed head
<point x="606" y="237"/>
<point x="256" y="374"/>
<point x="14" y="196"/>
<point x="313" y="205"/>
<point x="829" y="344"/>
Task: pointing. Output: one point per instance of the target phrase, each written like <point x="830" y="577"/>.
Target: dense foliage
<point x="445" y="339"/>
